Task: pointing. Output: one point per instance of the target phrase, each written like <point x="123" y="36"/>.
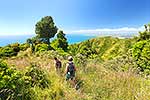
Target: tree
<point x="60" y="41"/>
<point x="46" y="28"/>
<point x="145" y="35"/>
<point x="141" y="50"/>
<point x="61" y="35"/>
<point x="29" y="41"/>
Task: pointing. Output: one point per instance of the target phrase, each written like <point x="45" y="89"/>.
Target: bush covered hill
<point x="106" y="70"/>
<point x="104" y="48"/>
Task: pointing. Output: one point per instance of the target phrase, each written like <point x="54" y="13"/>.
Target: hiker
<point x="57" y="64"/>
<point x="70" y="69"/>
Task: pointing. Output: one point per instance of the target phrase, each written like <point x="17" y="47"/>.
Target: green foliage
<point x="61" y="35"/>
<point x="72" y="49"/>
<point x="60" y="41"/>
<point x="55" y="44"/>
<point x="24" y="46"/>
<point x="41" y="47"/>
<point x="84" y="48"/>
<point x="10" y="50"/>
<point x="113" y="79"/>
<point x="141" y="50"/>
<point x="81" y="60"/>
<point x="104" y="48"/>
<point x="11" y="83"/>
<point x="29" y="41"/>
<point x="15" y="47"/>
<point x="34" y="40"/>
<point x="51" y="54"/>
<point x="145" y="35"/>
<point x="105" y="68"/>
<point x="7" y="52"/>
<point x="15" y="85"/>
<point x="37" y="77"/>
<point x="121" y="63"/>
<point x="46" y="28"/>
<point x="141" y="53"/>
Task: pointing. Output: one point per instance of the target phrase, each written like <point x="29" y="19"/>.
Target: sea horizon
<point x="71" y="38"/>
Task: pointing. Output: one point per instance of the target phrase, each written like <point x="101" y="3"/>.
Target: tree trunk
<point x="48" y="41"/>
<point x="32" y="47"/>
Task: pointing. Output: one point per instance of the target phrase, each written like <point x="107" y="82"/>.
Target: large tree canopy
<point x="46" y="28"/>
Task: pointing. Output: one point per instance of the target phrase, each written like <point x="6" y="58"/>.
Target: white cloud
<point x="100" y="32"/>
<point x="108" y="31"/>
<point x="13" y="30"/>
<point x="14" y="33"/>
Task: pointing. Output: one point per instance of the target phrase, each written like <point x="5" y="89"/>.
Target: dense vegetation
<point x="104" y="48"/>
<point x="141" y="50"/>
<point x="108" y="68"/>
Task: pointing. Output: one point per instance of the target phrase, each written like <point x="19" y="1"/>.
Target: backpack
<point x="71" y="67"/>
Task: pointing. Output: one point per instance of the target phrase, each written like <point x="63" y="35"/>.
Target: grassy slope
<point x="105" y="47"/>
<point x="99" y="82"/>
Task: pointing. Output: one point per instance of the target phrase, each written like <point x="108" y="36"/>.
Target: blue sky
<point x="18" y="17"/>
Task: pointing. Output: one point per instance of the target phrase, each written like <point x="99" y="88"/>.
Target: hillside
<point x="104" y="48"/>
<point x="105" y="70"/>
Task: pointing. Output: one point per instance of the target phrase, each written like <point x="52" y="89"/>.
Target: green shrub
<point x="104" y="48"/>
<point x="60" y="42"/>
<point x="15" y="47"/>
<point x="141" y="54"/>
<point x="37" y="77"/>
<point x="121" y="63"/>
<point x="24" y="46"/>
<point x="7" y="52"/>
<point x="10" y="50"/>
<point x="11" y="83"/>
<point x="41" y="47"/>
<point x="15" y="85"/>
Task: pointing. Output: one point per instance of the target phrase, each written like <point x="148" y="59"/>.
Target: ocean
<point x="71" y="38"/>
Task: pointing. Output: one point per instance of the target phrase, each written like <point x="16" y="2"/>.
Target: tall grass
<point x="97" y="82"/>
<point x="103" y="84"/>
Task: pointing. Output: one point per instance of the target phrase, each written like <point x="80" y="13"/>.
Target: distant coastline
<point x="72" y="38"/>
